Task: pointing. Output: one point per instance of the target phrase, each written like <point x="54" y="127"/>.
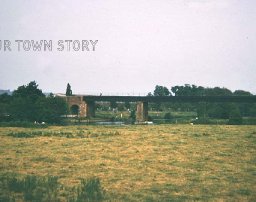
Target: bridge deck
<point x="242" y="99"/>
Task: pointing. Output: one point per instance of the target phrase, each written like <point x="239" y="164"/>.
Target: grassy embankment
<point x="135" y="163"/>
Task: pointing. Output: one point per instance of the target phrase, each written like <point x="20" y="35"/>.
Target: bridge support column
<point x="82" y="109"/>
<point x="142" y="112"/>
<point x="90" y="109"/>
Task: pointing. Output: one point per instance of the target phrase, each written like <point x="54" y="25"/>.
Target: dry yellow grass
<point x="141" y="163"/>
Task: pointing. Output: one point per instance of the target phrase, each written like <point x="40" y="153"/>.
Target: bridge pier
<point x="76" y="101"/>
<point x="142" y="112"/>
<point x="82" y="109"/>
<point x="90" y="109"/>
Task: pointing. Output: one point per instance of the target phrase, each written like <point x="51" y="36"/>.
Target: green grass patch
<point x="36" y="188"/>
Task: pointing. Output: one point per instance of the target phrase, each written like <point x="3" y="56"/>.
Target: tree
<point x="30" y="104"/>
<point x="242" y="93"/>
<point x="201" y="111"/>
<point x="168" y="117"/>
<point x="133" y="116"/>
<point x="188" y="90"/>
<point x="22" y="109"/>
<point x="5" y="100"/>
<point x="245" y="108"/>
<point x="161" y="91"/>
<point x="29" y="91"/>
<point x="217" y="91"/>
<point x="22" y="106"/>
<point x="235" y="117"/>
<point x="50" y="109"/>
<point x="68" y="90"/>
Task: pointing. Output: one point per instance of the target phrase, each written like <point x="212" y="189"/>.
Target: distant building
<point x="5" y="91"/>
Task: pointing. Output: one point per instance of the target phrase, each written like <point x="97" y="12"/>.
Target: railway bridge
<point x="86" y="103"/>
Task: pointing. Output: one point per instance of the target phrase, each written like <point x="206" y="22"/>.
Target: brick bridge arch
<point x="78" y="101"/>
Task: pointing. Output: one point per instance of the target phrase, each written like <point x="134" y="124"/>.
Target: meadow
<point x="130" y="163"/>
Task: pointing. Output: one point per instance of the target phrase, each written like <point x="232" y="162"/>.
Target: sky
<point x="141" y="44"/>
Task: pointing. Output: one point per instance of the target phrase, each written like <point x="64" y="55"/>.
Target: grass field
<point x="135" y="163"/>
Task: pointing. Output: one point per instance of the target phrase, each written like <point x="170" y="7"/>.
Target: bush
<point x="235" y="117"/>
<point x="168" y="117"/>
<point x="132" y="117"/>
<point x="35" y="188"/>
<point x="90" y="190"/>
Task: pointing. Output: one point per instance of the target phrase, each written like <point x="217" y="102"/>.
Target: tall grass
<point x="44" y="189"/>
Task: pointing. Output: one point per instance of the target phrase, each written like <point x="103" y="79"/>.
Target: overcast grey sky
<point x="141" y="43"/>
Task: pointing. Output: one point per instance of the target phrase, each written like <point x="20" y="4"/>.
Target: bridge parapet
<point x="245" y="99"/>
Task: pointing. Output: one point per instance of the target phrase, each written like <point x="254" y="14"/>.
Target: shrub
<point x="168" y="117"/>
<point x="133" y="116"/>
<point x="35" y="188"/>
<point x="235" y="117"/>
<point x="90" y="190"/>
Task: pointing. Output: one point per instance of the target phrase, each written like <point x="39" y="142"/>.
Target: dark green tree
<point x="28" y="103"/>
<point x="245" y="108"/>
<point x="161" y="91"/>
<point x="235" y="117"/>
<point x="242" y="93"/>
<point x="217" y="91"/>
<point x="68" y="90"/>
<point x="22" y="109"/>
<point x="168" y="117"/>
<point x="22" y="106"/>
<point x="50" y="109"/>
<point x="5" y="100"/>
<point x="202" y="111"/>
<point x="188" y="90"/>
<point x="133" y="116"/>
<point x="30" y="91"/>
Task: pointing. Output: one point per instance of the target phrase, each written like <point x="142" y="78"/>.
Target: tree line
<point x="232" y="111"/>
<point x="29" y="103"/>
<point x="193" y="90"/>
